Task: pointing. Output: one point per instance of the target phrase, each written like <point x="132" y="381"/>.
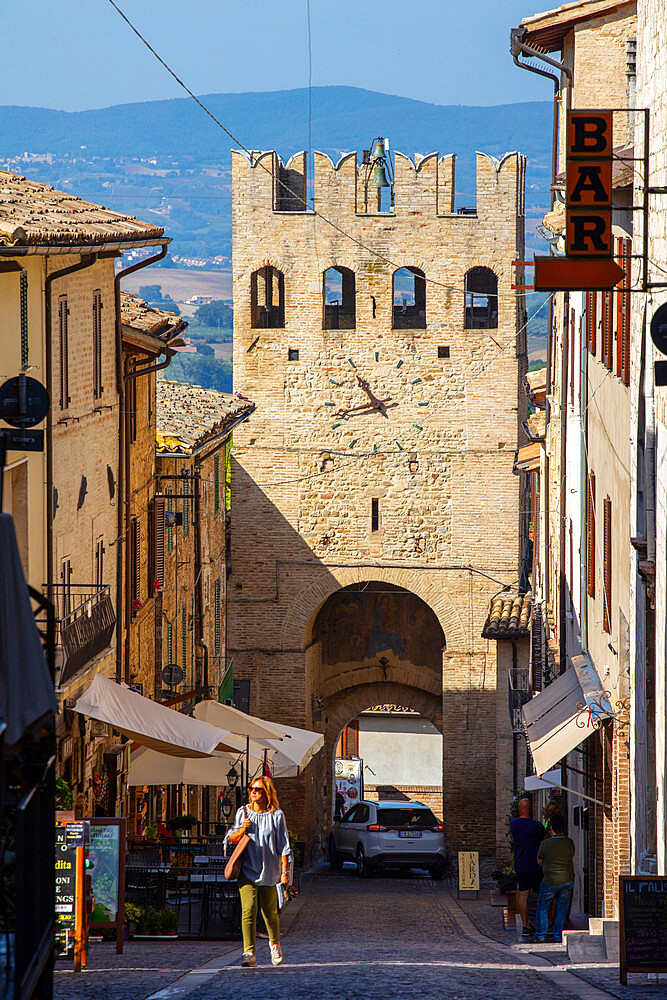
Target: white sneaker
<point x="276" y="954"/>
<point x="249" y="959"/>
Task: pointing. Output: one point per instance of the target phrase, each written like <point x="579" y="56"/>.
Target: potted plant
<point x="504" y="876"/>
<point x="132" y="918"/>
<point x="169" y="922"/>
<point x="148" y="923"/>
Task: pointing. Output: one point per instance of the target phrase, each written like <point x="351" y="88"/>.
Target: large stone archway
<point x="372" y="643"/>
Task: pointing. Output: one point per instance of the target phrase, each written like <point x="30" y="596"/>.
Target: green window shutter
<point x="217" y="617"/>
<point x="216" y="477"/>
<point x="228" y="474"/>
<point x="170" y="530"/>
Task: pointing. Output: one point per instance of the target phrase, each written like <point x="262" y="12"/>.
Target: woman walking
<point x="265" y="862"/>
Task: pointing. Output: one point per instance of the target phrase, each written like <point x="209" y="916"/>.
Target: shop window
<point x="481" y="299"/>
<point x="267" y="298"/>
<point x="409" y="299"/>
<point x="339" y="299"/>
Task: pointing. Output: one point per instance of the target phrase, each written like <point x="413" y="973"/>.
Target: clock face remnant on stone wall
<point x="375" y="402"/>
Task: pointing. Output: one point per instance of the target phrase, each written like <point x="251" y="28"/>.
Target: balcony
<point x="519" y="693"/>
<point x="85" y="620"/>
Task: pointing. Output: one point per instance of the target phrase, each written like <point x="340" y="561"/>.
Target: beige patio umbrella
<point x="153" y="725"/>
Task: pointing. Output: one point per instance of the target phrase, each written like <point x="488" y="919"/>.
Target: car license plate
<point x="412" y="834"/>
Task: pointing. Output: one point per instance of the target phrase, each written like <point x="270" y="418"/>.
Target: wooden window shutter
<point x="607" y="330"/>
<point x="624" y="332"/>
<point x="135" y="563"/>
<point x="170" y="530"/>
<point x="590" y="536"/>
<point x="217" y="622"/>
<point x="184" y="641"/>
<point x="607" y="568"/>
<point x="591" y="321"/>
<point x="158" y="543"/>
<point x="63" y="312"/>
<point x="186" y="510"/>
<point x="572" y="366"/>
<point x="98" y="387"/>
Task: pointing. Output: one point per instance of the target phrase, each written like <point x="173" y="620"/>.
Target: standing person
<point x="527" y="835"/>
<point x="555" y="854"/>
<point x="265" y="862"/>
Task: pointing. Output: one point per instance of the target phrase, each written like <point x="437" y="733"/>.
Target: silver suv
<point x="386" y="834"/>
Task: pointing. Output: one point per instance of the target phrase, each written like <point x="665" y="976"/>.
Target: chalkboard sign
<point x="642" y="925"/>
<point x="66" y="889"/>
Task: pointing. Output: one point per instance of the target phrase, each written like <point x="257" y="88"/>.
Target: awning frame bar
<point x="574" y="791"/>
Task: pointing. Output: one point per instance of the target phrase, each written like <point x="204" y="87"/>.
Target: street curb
<point x="566" y="980"/>
<point x="194" y="978"/>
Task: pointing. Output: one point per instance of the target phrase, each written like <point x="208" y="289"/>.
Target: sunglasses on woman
<point x="256" y="788"/>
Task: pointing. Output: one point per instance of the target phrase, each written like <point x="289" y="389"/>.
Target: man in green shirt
<point x="555" y="855"/>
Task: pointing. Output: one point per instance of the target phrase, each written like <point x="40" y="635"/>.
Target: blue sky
<point x="77" y="54"/>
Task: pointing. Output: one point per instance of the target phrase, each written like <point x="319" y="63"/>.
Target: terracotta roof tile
<point x="35" y="214"/>
<point x="136" y="314"/>
<point x="188" y="415"/>
<point x="509" y="616"/>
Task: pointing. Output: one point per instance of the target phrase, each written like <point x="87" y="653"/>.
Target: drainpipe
<point x="86" y="261"/>
<point x="583" y="500"/>
<point x="123" y="479"/>
<point x="518" y="47"/>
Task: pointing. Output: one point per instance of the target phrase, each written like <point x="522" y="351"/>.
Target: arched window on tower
<point x="481" y="299"/>
<point x="409" y="299"/>
<point x="267" y="298"/>
<point x="339" y="309"/>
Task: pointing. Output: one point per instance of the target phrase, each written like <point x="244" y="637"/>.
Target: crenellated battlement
<point x="423" y="185"/>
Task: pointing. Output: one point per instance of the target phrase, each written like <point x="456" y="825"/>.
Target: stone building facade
<point x="584" y="560"/>
<point x="376" y="511"/>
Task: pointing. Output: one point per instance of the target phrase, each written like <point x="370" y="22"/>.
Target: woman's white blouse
<point x="269" y="842"/>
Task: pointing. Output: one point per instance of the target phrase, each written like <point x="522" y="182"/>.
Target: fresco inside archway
<point x="365" y="622"/>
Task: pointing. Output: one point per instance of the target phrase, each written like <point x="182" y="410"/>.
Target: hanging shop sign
<point x="590" y="137"/>
<point x="589" y="243"/>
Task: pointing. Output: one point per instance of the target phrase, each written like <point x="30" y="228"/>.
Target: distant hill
<point x="96" y="153"/>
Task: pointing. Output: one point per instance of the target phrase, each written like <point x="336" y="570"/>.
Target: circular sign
<point x="172" y="675"/>
<point x="659" y="328"/>
<point x="23" y="401"/>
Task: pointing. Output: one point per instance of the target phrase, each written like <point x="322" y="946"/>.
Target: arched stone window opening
<point x="267" y="298"/>
<point x="339" y="300"/>
<point x="409" y="299"/>
<point x="481" y="299"/>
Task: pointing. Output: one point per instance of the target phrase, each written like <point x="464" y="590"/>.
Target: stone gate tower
<point x="375" y="511"/>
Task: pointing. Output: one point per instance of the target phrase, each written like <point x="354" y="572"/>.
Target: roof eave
<point x="47" y="250"/>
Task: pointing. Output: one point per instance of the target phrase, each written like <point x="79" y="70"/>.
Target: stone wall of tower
<point x="439" y="463"/>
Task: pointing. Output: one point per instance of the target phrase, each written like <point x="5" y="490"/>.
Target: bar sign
<point x="588" y="184"/>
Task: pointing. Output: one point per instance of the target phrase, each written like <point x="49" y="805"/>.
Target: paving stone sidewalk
<point x="488" y="919"/>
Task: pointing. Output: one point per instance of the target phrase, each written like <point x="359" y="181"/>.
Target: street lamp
<point x="226" y="807"/>
<point x="232" y="777"/>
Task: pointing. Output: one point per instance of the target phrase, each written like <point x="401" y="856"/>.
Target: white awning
<point x="235" y="721"/>
<point x="293" y="754"/>
<point x="557" y="720"/>
<point x="148" y="767"/>
<point x="151" y="724"/>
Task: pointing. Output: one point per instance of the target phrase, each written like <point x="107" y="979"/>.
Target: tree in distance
<point x="151" y="293"/>
<point x="216" y="313"/>
<point x="209" y="373"/>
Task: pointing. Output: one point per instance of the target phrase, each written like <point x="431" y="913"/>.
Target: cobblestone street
<point x="387" y="936"/>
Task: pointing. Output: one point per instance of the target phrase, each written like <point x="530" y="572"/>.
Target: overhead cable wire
<point x="254" y="162"/>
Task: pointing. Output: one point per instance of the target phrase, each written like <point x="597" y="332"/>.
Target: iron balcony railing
<point x="519" y="693"/>
<point x="85" y="621"/>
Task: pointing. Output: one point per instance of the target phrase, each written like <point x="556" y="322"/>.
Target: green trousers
<point x="267" y="897"/>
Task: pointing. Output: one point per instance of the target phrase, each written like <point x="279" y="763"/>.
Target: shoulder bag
<point x="233" y="866"/>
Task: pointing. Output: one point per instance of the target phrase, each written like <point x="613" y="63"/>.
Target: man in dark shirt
<point x="527" y="835"/>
